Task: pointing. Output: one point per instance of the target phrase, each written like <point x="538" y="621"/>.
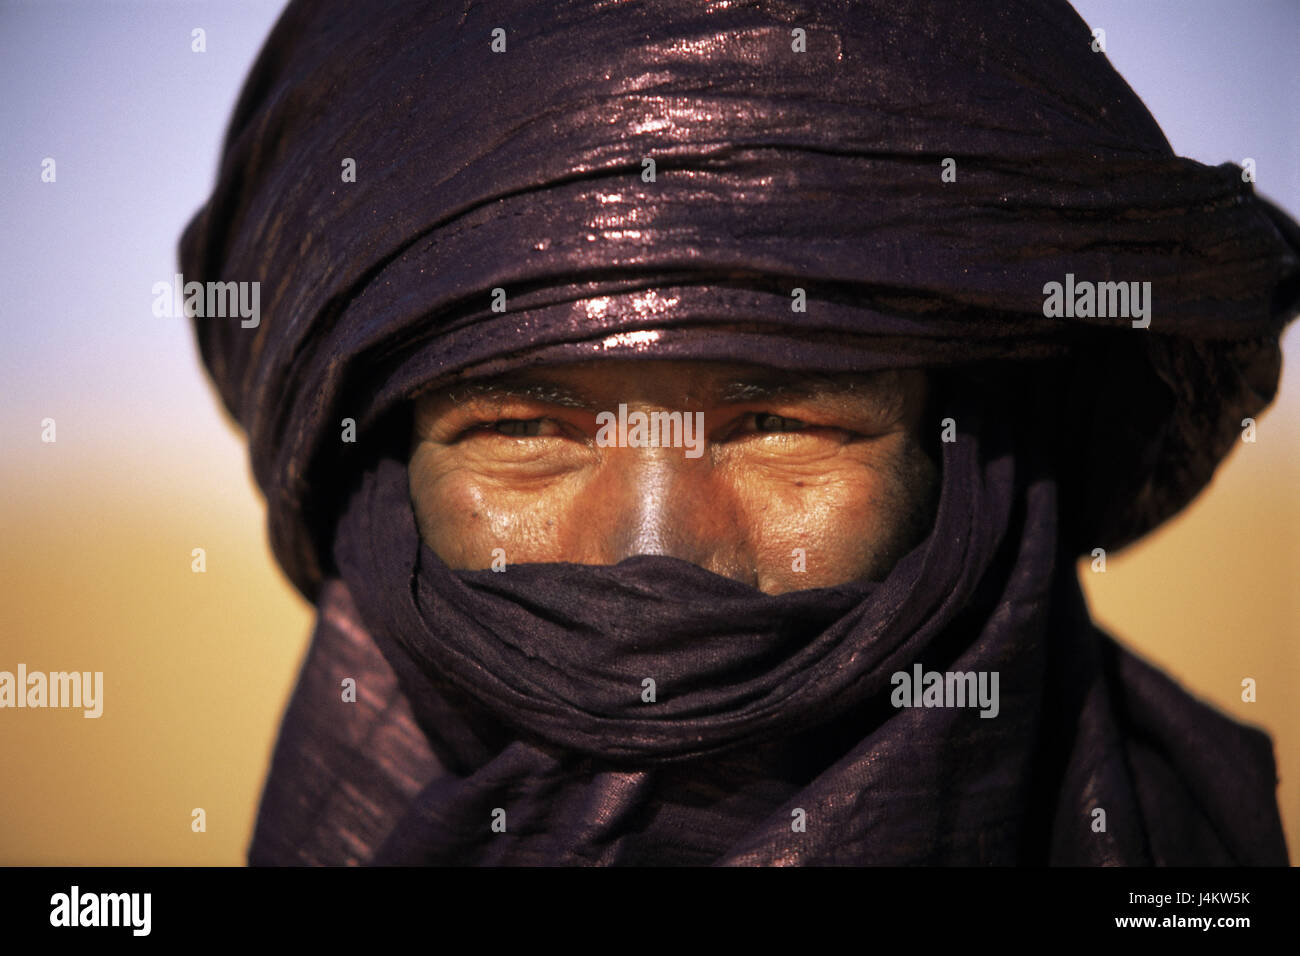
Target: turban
<point x="431" y="192"/>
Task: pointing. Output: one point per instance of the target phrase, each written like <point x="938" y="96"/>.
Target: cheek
<point x="463" y="515"/>
<point x="810" y="532"/>
<point x="782" y="523"/>
<point x="840" y="521"/>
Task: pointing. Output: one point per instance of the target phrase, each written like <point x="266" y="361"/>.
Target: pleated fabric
<point x="774" y="170"/>
<point x="828" y="186"/>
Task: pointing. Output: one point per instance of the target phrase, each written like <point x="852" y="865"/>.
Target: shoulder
<point x="347" y="762"/>
<point x="1206" y="783"/>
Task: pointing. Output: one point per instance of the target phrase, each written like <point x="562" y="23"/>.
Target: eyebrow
<point x="762" y="385"/>
<point x="765" y="386"/>
<point x="547" y="392"/>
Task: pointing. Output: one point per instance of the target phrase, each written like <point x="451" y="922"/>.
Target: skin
<point x="835" y="465"/>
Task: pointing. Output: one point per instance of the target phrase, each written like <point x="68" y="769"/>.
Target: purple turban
<point x="663" y="180"/>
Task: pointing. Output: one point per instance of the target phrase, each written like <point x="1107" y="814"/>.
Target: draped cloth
<point x="781" y="174"/>
<point x="775" y="171"/>
<point x="527" y="686"/>
<point x="772" y="709"/>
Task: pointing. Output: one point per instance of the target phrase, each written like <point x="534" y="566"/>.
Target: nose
<point x="665" y="503"/>
<point x="655" y="505"/>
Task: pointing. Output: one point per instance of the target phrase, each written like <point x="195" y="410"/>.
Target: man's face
<point x="830" y="467"/>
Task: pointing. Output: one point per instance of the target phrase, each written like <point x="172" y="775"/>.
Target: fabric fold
<point x="841" y="186"/>
<point x="562" y="651"/>
<point x="774" y="171"/>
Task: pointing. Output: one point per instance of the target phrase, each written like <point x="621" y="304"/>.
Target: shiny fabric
<point x="528" y="687"/>
<point x="774" y="171"/>
<point x="344" y="780"/>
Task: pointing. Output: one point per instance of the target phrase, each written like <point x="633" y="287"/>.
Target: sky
<point x="96" y="531"/>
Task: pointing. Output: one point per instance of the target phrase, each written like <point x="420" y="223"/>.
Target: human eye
<point x="771" y="426"/>
<point x="787" y="432"/>
<point x="767" y="423"/>
<point x="519" y="427"/>
<point x="513" y="441"/>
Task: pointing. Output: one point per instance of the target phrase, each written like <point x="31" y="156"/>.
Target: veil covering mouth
<point x="775" y="169"/>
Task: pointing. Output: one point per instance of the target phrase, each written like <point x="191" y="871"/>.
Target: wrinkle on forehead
<point x="884" y="390"/>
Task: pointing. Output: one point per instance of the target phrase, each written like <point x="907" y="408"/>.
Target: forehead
<point x="589" y="384"/>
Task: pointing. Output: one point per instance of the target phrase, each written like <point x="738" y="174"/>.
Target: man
<point x="736" y="469"/>
<point x="686" y="418"/>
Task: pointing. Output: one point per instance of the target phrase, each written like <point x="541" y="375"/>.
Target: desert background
<point x="96" y="529"/>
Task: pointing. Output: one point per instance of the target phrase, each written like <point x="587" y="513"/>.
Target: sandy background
<point x="96" y="530"/>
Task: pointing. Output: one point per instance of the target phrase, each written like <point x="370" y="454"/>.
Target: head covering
<point x="794" y="146"/>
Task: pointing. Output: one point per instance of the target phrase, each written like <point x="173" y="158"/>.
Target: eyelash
<point x="496" y="426"/>
<point x="760" y="420"/>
